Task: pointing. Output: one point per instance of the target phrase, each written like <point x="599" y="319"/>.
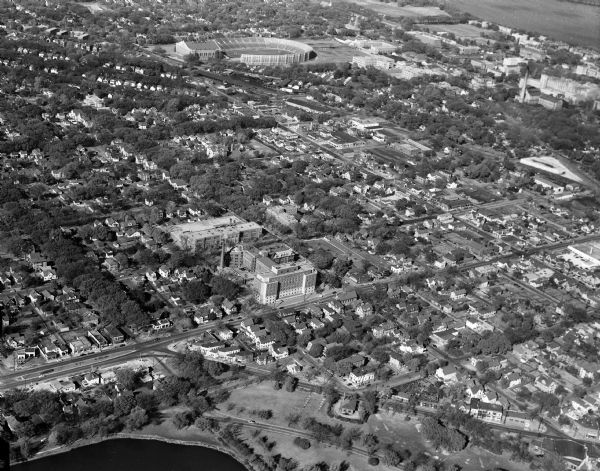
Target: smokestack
<point x="525" y="80"/>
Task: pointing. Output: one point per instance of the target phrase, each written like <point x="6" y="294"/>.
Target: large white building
<point x="281" y="280"/>
<point x="379" y="62"/>
<point x="374" y="47"/>
<point x="249" y="50"/>
<point x="585" y="256"/>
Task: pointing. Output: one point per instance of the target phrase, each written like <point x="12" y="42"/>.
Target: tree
<point x="137" y="418"/>
<point x="191" y="366"/>
<point x="321" y="259"/>
<point x="25" y="447"/>
<point x="183" y="419"/>
<point x="290" y="384"/>
<point x="391" y="457"/>
<point x="215" y="368"/>
<point x="171" y="389"/>
<point x="124" y="403"/>
<point x="63" y="434"/>
<point x="147" y="401"/>
<point x="196" y="291"/>
<point x="316" y="350"/>
<point x="128" y="378"/>
<point x="225" y="287"/>
<point x="302" y="443"/>
<point x="206" y="424"/>
<point x="369" y="399"/>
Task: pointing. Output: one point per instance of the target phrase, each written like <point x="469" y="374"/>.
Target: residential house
<point x="485" y="411"/>
<point x="361" y="377"/>
<point x="447" y="373"/>
<point x="545" y="384"/>
<point x="364" y="310"/>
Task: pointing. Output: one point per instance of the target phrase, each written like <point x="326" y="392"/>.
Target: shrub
<point x="302" y="443"/>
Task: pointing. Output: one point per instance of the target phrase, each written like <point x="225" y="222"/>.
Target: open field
<point x="551" y="165"/>
<point x="317" y="453"/>
<point x="317" y="244"/>
<point x="574" y="23"/>
<point x="262" y="396"/>
<point x="393" y="428"/>
<point x="414" y="12"/>
<point x="329" y="50"/>
<point x="392" y="10"/>
<point x="460" y="30"/>
<point x="476" y="459"/>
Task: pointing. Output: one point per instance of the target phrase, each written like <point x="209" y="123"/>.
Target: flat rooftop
<point x="591" y="249"/>
<point x="273" y="269"/>
<point x="213" y="226"/>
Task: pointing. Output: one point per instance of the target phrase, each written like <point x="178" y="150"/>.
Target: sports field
<point x="257" y="51"/>
<point x="460" y="30"/>
<point x="329" y="50"/>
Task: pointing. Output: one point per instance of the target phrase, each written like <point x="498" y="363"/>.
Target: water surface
<point x="135" y="455"/>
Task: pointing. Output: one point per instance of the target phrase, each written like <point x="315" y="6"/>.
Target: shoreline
<point x="81" y="443"/>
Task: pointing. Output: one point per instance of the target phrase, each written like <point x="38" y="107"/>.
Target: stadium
<point x="250" y="51"/>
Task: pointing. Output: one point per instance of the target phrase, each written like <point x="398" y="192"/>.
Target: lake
<point x="573" y="23"/>
<point x="135" y="455"/>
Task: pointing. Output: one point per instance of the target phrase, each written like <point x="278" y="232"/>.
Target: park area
<point x="275" y="434"/>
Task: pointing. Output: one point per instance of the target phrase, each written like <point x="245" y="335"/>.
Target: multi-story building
<point x="374" y="47"/>
<point x="228" y="230"/>
<point x="379" y="62"/>
<point x="280" y="280"/>
<point x="485" y="411"/>
<point x="277" y="272"/>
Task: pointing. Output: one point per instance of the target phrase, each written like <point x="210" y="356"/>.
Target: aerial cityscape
<point x="302" y="235"/>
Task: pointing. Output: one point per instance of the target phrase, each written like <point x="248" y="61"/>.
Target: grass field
<point x="460" y="30"/>
<point x="264" y="51"/>
<point x="329" y="50"/>
<point x="392" y="10"/>
<point x="414" y="12"/>
<point x="323" y="244"/>
<point x="317" y="453"/>
<point x="282" y="403"/>
<point x="390" y="428"/>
